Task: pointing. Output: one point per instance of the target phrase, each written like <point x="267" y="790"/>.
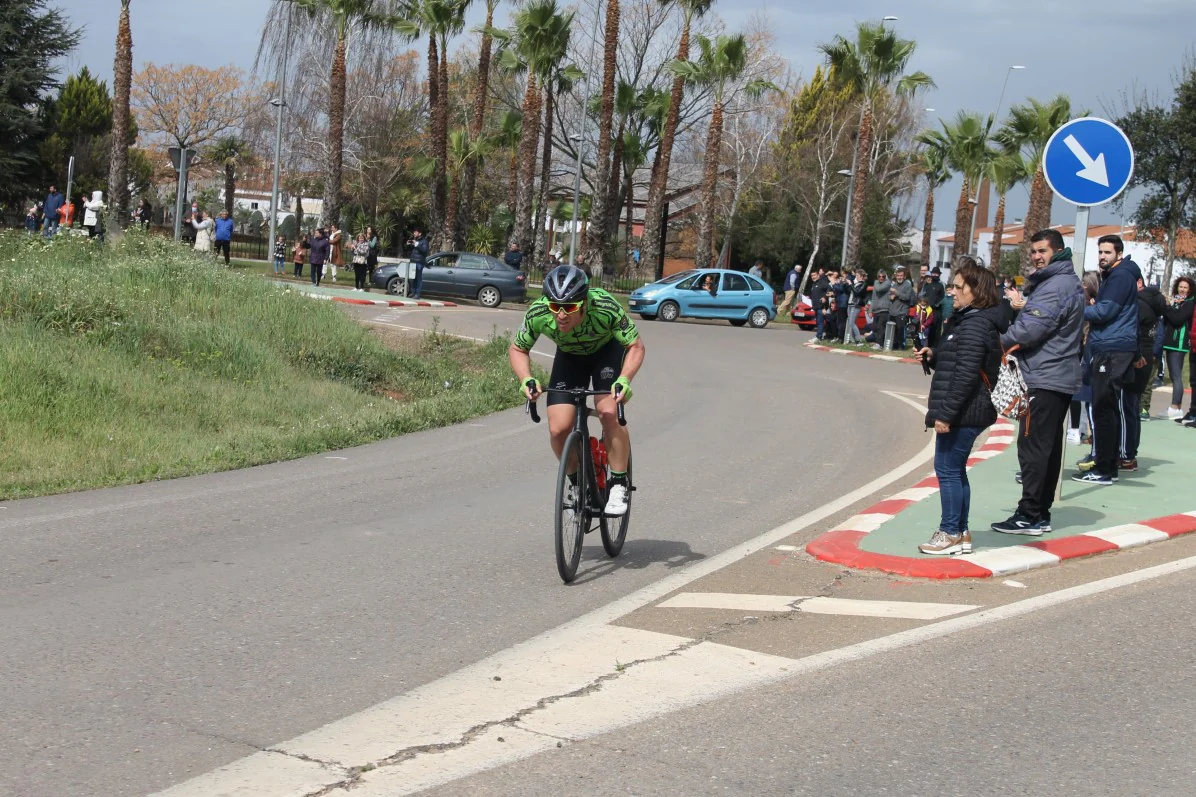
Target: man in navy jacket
<point x="1113" y="340"/>
<point x="224" y="234"/>
<point x="54" y="202"/>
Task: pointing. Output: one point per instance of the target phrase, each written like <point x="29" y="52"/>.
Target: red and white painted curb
<point x="842" y="545"/>
<point x="848" y="352"/>
<point x="380" y="302"/>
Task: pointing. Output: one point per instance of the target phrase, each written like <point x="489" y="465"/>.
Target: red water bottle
<point x="599" y="452"/>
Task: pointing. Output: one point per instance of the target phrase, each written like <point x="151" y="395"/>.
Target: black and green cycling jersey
<point x="605" y="320"/>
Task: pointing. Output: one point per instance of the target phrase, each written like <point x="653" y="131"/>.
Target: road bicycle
<point x="576" y="507"/>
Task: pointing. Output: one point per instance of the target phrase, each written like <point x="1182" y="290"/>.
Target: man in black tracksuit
<point x="1113" y="340"/>
<point x="1151" y="306"/>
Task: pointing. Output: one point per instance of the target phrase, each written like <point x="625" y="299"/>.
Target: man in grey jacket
<point x="901" y="299"/>
<point x="1047" y="334"/>
<point x="880" y="307"/>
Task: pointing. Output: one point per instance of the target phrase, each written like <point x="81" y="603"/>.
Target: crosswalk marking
<point x="904" y="610"/>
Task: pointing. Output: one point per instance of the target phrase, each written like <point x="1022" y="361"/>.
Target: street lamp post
<point x="280" y="103"/>
<point x="1001" y="99"/>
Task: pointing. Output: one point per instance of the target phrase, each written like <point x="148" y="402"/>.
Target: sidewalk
<point x="1150" y="505"/>
<point x="349" y="296"/>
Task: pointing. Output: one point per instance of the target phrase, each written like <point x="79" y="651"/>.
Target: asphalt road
<point x="154" y="632"/>
<point x="1087" y="698"/>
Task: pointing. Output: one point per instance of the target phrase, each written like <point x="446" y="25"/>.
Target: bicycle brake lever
<point x="531" y="410"/>
<point x="619" y="411"/>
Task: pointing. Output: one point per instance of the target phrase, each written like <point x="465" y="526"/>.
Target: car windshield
<point x="680" y="275"/>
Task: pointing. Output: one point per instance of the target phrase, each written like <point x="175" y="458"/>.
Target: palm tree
<point x="122" y="78"/>
<point x="508" y="138"/>
<point x="231" y="152"/>
<point x="964" y="144"/>
<point x="342" y="16"/>
<point x="532" y="46"/>
<point x="464" y="212"/>
<point x="934" y="166"/>
<point x="1004" y="171"/>
<point x="872" y="67"/>
<point x="1027" y="130"/>
<point x="596" y="233"/>
<point x="650" y="246"/>
<point x="635" y="155"/>
<point x="720" y="64"/>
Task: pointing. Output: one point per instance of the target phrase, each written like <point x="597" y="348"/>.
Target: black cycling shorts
<point x="577" y="371"/>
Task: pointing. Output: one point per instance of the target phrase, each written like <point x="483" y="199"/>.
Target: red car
<point x="803" y="316"/>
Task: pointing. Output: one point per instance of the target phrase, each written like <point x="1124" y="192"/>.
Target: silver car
<point x="464" y="275"/>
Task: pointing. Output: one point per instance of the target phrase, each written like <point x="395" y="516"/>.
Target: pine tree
<point x="31" y="38"/>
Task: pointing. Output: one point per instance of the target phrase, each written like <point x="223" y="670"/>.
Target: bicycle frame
<point x="577" y="397"/>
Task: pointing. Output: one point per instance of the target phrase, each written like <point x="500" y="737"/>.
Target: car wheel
<point x="738" y="322"/>
<point x="489" y="296"/>
<point x="394" y="286"/>
<point x="669" y="311"/>
<point x="647" y="317"/>
<point x="758" y="318"/>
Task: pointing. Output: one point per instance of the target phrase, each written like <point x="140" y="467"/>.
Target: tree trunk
<point x="336" y="136"/>
<point x="928" y="227"/>
<point x="629" y="193"/>
<point x="615" y="184"/>
<point x="963" y="221"/>
<point x="541" y="249"/>
<point x="434" y="210"/>
<point x="299" y="215"/>
<point x="863" y="170"/>
<point x="469" y="178"/>
<point x="441" y="234"/>
<point x="527" y="165"/>
<point x="994" y="254"/>
<point x="230" y="187"/>
<point x="1172" y="234"/>
<point x="714" y="144"/>
<point x="596" y="232"/>
<point x="652" y="243"/>
<point x="513" y="183"/>
<point x="1033" y="223"/>
<point x="118" y="164"/>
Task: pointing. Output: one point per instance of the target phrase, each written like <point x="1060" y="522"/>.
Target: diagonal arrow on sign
<point x="1094" y="168"/>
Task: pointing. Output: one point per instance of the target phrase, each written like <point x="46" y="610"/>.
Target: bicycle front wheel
<point x="614" y="530"/>
<point x="572" y="506"/>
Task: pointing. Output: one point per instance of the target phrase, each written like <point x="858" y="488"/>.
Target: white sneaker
<point x="616" y="504"/>
<point x="1174" y="412"/>
<point x="1073" y="436"/>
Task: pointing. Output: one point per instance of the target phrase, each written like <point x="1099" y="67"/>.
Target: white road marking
<point x="903" y="610"/>
<point x="785" y="547"/>
<point x="682" y="675"/>
<point x="335" y="457"/>
<point x="908" y="610"/>
<point x="377" y="722"/>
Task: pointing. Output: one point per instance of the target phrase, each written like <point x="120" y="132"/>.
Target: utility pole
<point x="280" y="102"/>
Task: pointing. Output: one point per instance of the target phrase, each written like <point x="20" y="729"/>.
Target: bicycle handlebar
<point x="576" y="393"/>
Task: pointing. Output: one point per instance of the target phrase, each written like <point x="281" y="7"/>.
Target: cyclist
<point x="596" y="342"/>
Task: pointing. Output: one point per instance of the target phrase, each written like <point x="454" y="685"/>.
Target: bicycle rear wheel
<point x="614" y="530"/>
<point x="572" y="508"/>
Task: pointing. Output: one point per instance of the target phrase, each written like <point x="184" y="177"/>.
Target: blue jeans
<point x="419" y="282"/>
<point x="819" y="322"/>
<point x="51" y="227"/>
<point x="951" y="452"/>
<point x="853" y="332"/>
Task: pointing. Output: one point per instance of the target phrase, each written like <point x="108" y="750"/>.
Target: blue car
<point x="707" y="293"/>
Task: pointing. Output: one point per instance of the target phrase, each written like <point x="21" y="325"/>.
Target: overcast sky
<point x="1092" y="51"/>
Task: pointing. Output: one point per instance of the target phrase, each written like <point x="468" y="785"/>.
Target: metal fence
<point x="610" y="282"/>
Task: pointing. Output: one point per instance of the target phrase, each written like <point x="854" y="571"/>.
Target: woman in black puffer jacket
<point x="960" y="408"/>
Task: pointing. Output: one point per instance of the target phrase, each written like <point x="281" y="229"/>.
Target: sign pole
<point x="178" y="200"/>
<point x="1080" y="243"/>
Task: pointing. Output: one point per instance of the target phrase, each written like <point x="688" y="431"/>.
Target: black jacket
<point x="1151" y="306"/>
<point x="419" y="252"/>
<point x="971" y="343"/>
<point x="1178" y="318"/>
<point x="819" y="289"/>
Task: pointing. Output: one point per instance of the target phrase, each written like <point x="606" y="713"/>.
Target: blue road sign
<point x="1088" y="161"/>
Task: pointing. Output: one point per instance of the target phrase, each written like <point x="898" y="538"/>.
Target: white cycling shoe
<point x="616" y="503"/>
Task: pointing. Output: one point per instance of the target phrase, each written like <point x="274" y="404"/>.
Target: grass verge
<point x="142" y="361"/>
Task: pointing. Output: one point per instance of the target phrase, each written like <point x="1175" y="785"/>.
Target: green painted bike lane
<point x="1162" y="485"/>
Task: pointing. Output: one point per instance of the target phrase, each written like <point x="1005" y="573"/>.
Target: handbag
<point x="1009" y="393"/>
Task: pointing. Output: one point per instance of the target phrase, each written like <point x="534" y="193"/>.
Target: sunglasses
<point x="568" y="308"/>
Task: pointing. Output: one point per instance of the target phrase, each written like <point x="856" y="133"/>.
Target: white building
<point x="1150" y="255"/>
